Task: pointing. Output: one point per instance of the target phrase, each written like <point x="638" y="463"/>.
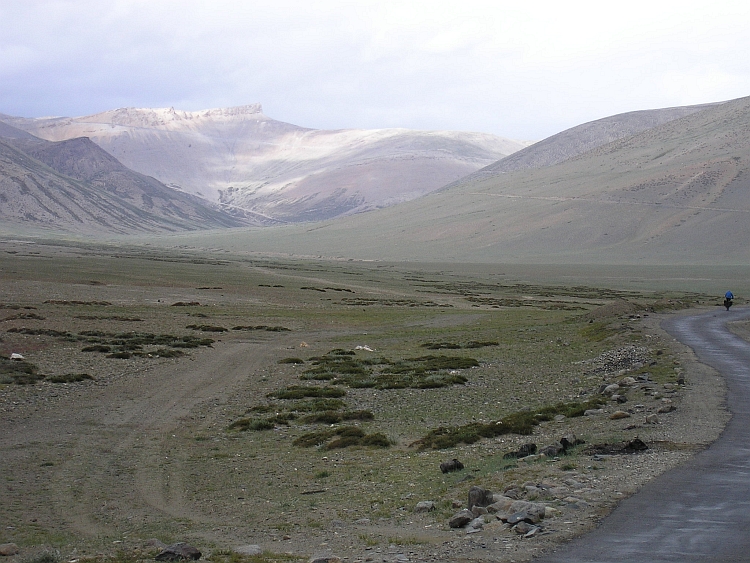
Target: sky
<point x="518" y="69"/>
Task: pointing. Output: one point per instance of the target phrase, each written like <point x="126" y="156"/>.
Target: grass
<point x="521" y="422"/>
<point x="416" y="317"/>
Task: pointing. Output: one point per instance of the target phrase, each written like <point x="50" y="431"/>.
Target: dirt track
<point x="110" y="444"/>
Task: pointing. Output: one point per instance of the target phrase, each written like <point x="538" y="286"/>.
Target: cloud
<point x="523" y="71"/>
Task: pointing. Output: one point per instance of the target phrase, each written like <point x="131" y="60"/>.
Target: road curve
<point x="699" y="511"/>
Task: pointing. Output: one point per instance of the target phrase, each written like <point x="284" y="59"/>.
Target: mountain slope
<point x="581" y="139"/>
<point x="678" y="193"/>
<point x="74" y="186"/>
<point x="242" y="158"/>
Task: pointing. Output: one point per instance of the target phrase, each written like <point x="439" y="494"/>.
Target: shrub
<point x="300" y="392"/>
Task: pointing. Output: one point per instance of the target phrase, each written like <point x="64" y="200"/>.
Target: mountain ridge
<point x="242" y="158"/>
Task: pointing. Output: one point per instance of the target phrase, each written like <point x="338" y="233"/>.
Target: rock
<point x="8" y="549"/>
<point x="324" y="559"/>
<point x="452" y="465"/>
<point x="16" y="356"/>
<point x="523" y="451"/>
<point x="179" y="552"/>
<point x="456" y="504"/>
<point x="479" y="511"/>
<point x="652" y="419"/>
<point x="552" y="450"/>
<point x="477" y="523"/>
<point x="461" y="519"/>
<point x="529" y="458"/>
<point x="480" y="497"/>
<point x="501" y="504"/>
<point x="512" y="492"/>
<point x="531" y="533"/>
<point x="248" y="550"/>
<point x="610" y="389"/>
<point x="425" y="506"/>
<point x="560" y="418"/>
<point x="635" y="445"/>
<point x="627" y="381"/>
<point x="618" y="415"/>
<point x="665" y="409"/>
<point x="620" y="399"/>
<point x="535" y="510"/>
<point x="593" y="412"/>
<point x="523" y="528"/>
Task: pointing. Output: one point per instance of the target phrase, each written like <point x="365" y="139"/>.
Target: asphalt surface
<point x="699" y="511"/>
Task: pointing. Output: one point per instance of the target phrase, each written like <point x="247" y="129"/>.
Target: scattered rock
<point x="593" y="412"/>
<point x="618" y="415"/>
<point x="8" y="549"/>
<point x="524" y="451"/>
<point x="652" y="419"/>
<point x="480" y="497"/>
<point x="461" y="519"/>
<point x="501" y="504"/>
<point x="609" y="389"/>
<point x="425" y="506"/>
<point x="324" y="559"/>
<point x="665" y="409"/>
<point x="179" y="552"/>
<point x="523" y="528"/>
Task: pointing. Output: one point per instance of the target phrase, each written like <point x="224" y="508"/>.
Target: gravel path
<point x="699" y="511"/>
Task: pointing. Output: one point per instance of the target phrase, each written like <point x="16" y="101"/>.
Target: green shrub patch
<point x="425" y="372"/>
<point x="521" y="422"/>
<point x="343" y="437"/>
<point x="301" y="392"/>
<point x="19" y="372"/>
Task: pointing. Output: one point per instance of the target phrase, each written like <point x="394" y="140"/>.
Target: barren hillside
<point x="678" y="193"/>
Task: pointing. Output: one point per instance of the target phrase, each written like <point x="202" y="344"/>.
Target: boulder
<point x="179" y="552"/>
<point x="461" y="519"/>
<point x="523" y="528"/>
<point x="534" y="510"/>
<point x="480" y="497"/>
<point x="501" y="504"/>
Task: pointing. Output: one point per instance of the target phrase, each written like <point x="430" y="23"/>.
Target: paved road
<point x="699" y="511"/>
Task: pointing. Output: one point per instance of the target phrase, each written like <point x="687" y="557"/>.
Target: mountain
<point x="274" y="170"/>
<point x="676" y="193"/>
<point x="74" y="186"/>
<point x="583" y="138"/>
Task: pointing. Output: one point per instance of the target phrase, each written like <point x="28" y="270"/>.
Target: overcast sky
<point x="519" y="69"/>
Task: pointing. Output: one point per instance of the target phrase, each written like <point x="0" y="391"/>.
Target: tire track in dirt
<point x="116" y="466"/>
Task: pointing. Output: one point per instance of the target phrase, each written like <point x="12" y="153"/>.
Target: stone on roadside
<point x="618" y="415"/>
<point x="324" y="559"/>
<point x="180" y="551"/>
<point x="523" y="528"/>
<point x="535" y="510"/>
<point x="460" y="519"/>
